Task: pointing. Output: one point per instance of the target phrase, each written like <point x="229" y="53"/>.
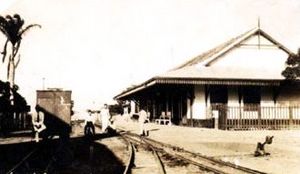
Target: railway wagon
<point x="57" y="107"/>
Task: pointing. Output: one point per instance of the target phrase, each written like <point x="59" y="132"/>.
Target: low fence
<point x="257" y="117"/>
<point x="14" y="121"/>
<point x="207" y="123"/>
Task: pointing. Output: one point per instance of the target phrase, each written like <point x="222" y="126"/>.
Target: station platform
<point x="234" y="146"/>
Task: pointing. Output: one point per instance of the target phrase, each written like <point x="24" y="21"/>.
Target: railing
<point x="14" y="121"/>
<point x="257" y="117"/>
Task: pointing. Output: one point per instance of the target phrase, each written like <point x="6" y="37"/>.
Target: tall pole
<point x="258" y="25"/>
<point x="43" y="83"/>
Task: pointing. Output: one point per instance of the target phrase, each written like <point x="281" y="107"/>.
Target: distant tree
<point x="13" y="29"/>
<point x="115" y="109"/>
<point x="292" y="71"/>
<point x="7" y="110"/>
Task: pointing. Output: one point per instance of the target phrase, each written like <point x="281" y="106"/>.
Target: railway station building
<point x="236" y="85"/>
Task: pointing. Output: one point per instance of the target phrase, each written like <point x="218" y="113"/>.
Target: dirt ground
<point x="235" y="146"/>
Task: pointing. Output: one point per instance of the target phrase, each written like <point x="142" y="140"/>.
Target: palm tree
<point x="12" y="28"/>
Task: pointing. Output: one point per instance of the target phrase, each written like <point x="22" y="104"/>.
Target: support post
<point x="216" y="117"/>
<point x="290" y="117"/>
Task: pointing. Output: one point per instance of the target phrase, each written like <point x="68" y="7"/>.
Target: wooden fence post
<point x="216" y="119"/>
<point x="290" y="117"/>
<point x="240" y="118"/>
<point x="259" y="117"/>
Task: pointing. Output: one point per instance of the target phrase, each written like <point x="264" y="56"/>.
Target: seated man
<point x="260" y="148"/>
<point x="38" y="123"/>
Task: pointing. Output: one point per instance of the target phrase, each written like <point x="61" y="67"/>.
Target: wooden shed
<point x="57" y="106"/>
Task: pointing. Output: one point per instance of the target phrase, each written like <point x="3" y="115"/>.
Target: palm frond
<point x="18" y="21"/>
<point x="4" y="50"/>
<point x="17" y="16"/>
<point x="8" y="67"/>
<point x="3" y="31"/>
<point x="3" y="21"/>
<point x="16" y="49"/>
<point x="28" y="27"/>
<point x="18" y="61"/>
<point x="8" y="17"/>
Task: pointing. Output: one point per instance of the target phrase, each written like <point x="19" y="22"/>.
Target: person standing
<point x="105" y="116"/>
<point x="89" y="123"/>
<point x="143" y="119"/>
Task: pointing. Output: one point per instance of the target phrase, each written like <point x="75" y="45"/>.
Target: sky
<point x="98" y="48"/>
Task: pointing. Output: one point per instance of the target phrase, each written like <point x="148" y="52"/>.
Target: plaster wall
<point x="199" y="106"/>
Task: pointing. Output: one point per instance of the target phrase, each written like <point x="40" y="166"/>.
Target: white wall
<point x="199" y="108"/>
<point x="133" y="108"/>
<point x="253" y="56"/>
<point x="266" y="96"/>
<point x="188" y="113"/>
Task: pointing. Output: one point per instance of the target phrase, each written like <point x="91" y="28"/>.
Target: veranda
<point x="252" y="117"/>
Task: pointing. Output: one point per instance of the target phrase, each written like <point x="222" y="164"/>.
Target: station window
<point x="218" y="94"/>
<point x="251" y="97"/>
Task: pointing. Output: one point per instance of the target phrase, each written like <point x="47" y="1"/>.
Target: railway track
<point x="205" y="164"/>
<point x="39" y="160"/>
<point x="144" y="155"/>
<point x="143" y="158"/>
<point x="18" y="165"/>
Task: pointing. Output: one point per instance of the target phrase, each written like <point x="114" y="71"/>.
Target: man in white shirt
<point x="105" y="116"/>
<point x="89" y="123"/>
<point x="38" y="123"/>
<point x="143" y="119"/>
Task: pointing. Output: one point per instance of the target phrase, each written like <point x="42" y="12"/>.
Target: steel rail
<point x="202" y="166"/>
<point x="241" y="168"/>
<point x="130" y="160"/>
<point x="153" y="149"/>
<point x="22" y="161"/>
<point x="158" y="159"/>
<point x="208" y="159"/>
<point x="162" y="169"/>
<point x="52" y="159"/>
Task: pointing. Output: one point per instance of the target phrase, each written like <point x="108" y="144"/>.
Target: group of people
<point x="106" y="121"/>
<point x="89" y="128"/>
<point x="38" y="118"/>
<point x="90" y="120"/>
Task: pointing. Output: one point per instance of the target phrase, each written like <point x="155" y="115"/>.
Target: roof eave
<point x="137" y="88"/>
<point x="199" y="81"/>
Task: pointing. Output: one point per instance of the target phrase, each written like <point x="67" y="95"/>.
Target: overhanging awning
<point x="219" y="82"/>
<point x="135" y="89"/>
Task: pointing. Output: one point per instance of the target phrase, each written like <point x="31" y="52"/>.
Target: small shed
<point x="56" y="102"/>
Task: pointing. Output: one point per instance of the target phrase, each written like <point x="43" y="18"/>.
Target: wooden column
<point x="290" y="117"/>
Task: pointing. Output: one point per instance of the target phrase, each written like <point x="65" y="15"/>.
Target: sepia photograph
<point x="149" y="86"/>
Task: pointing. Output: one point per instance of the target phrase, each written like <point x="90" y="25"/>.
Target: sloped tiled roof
<point x="212" y="72"/>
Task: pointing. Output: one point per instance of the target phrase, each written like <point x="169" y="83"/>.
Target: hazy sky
<point x="97" y="48"/>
